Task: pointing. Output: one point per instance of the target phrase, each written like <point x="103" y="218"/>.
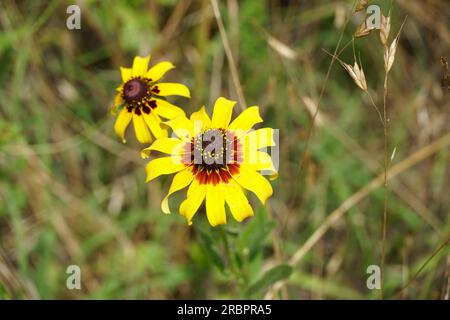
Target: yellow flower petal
<point x="182" y="127"/>
<point x="157" y="71"/>
<point x="260" y="161"/>
<point x="122" y="121"/>
<point x="154" y="123"/>
<point x="141" y="129"/>
<point x="223" y="109"/>
<point x="195" y="196"/>
<point x="140" y="65"/>
<point x="246" y="120"/>
<point x="165" y="165"/>
<point x="118" y="99"/>
<point x="172" y="89"/>
<point x="181" y="180"/>
<point x="215" y="205"/>
<point x="237" y="201"/>
<point x="166" y="145"/>
<point x="255" y="182"/>
<point x="125" y="73"/>
<point x="202" y="118"/>
<point x="167" y="110"/>
<point x="258" y="139"/>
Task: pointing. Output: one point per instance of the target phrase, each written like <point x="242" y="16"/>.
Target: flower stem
<point x="226" y="245"/>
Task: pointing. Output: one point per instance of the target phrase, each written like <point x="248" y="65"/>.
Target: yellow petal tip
<point x="165" y="206"/>
<point x="145" y="154"/>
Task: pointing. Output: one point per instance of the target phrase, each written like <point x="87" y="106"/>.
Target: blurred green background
<point x="72" y="194"/>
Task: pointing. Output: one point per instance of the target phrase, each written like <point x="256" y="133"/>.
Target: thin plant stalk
<point x="237" y="273"/>
<point x="385" y="183"/>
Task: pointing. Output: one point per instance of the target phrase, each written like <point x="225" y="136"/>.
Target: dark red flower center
<point x="137" y="94"/>
<point x="134" y="89"/>
<point x="214" y="156"/>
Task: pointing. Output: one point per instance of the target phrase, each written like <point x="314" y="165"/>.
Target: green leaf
<point x="211" y="251"/>
<point x="253" y="236"/>
<point x="273" y="275"/>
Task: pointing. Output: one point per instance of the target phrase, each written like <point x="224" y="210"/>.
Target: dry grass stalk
<point x="282" y="49"/>
<point x="357" y="74"/>
<point x="226" y="45"/>
<point x="332" y="218"/>
<point x="361" y="5"/>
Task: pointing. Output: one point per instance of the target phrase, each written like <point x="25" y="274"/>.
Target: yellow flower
<point x="139" y="95"/>
<point x="217" y="160"/>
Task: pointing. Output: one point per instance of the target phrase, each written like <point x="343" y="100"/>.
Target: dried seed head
<point x="362" y="4"/>
<point x="389" y="52"/>
<point x="385" y="28"/>
<point x="357" y="75"/>
<point x="361" y="77"/>
<point x="389" y="55"/>
<point x="363" y="30"/>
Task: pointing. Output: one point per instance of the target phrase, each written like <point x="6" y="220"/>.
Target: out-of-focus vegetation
<point x="72" y="193"/>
